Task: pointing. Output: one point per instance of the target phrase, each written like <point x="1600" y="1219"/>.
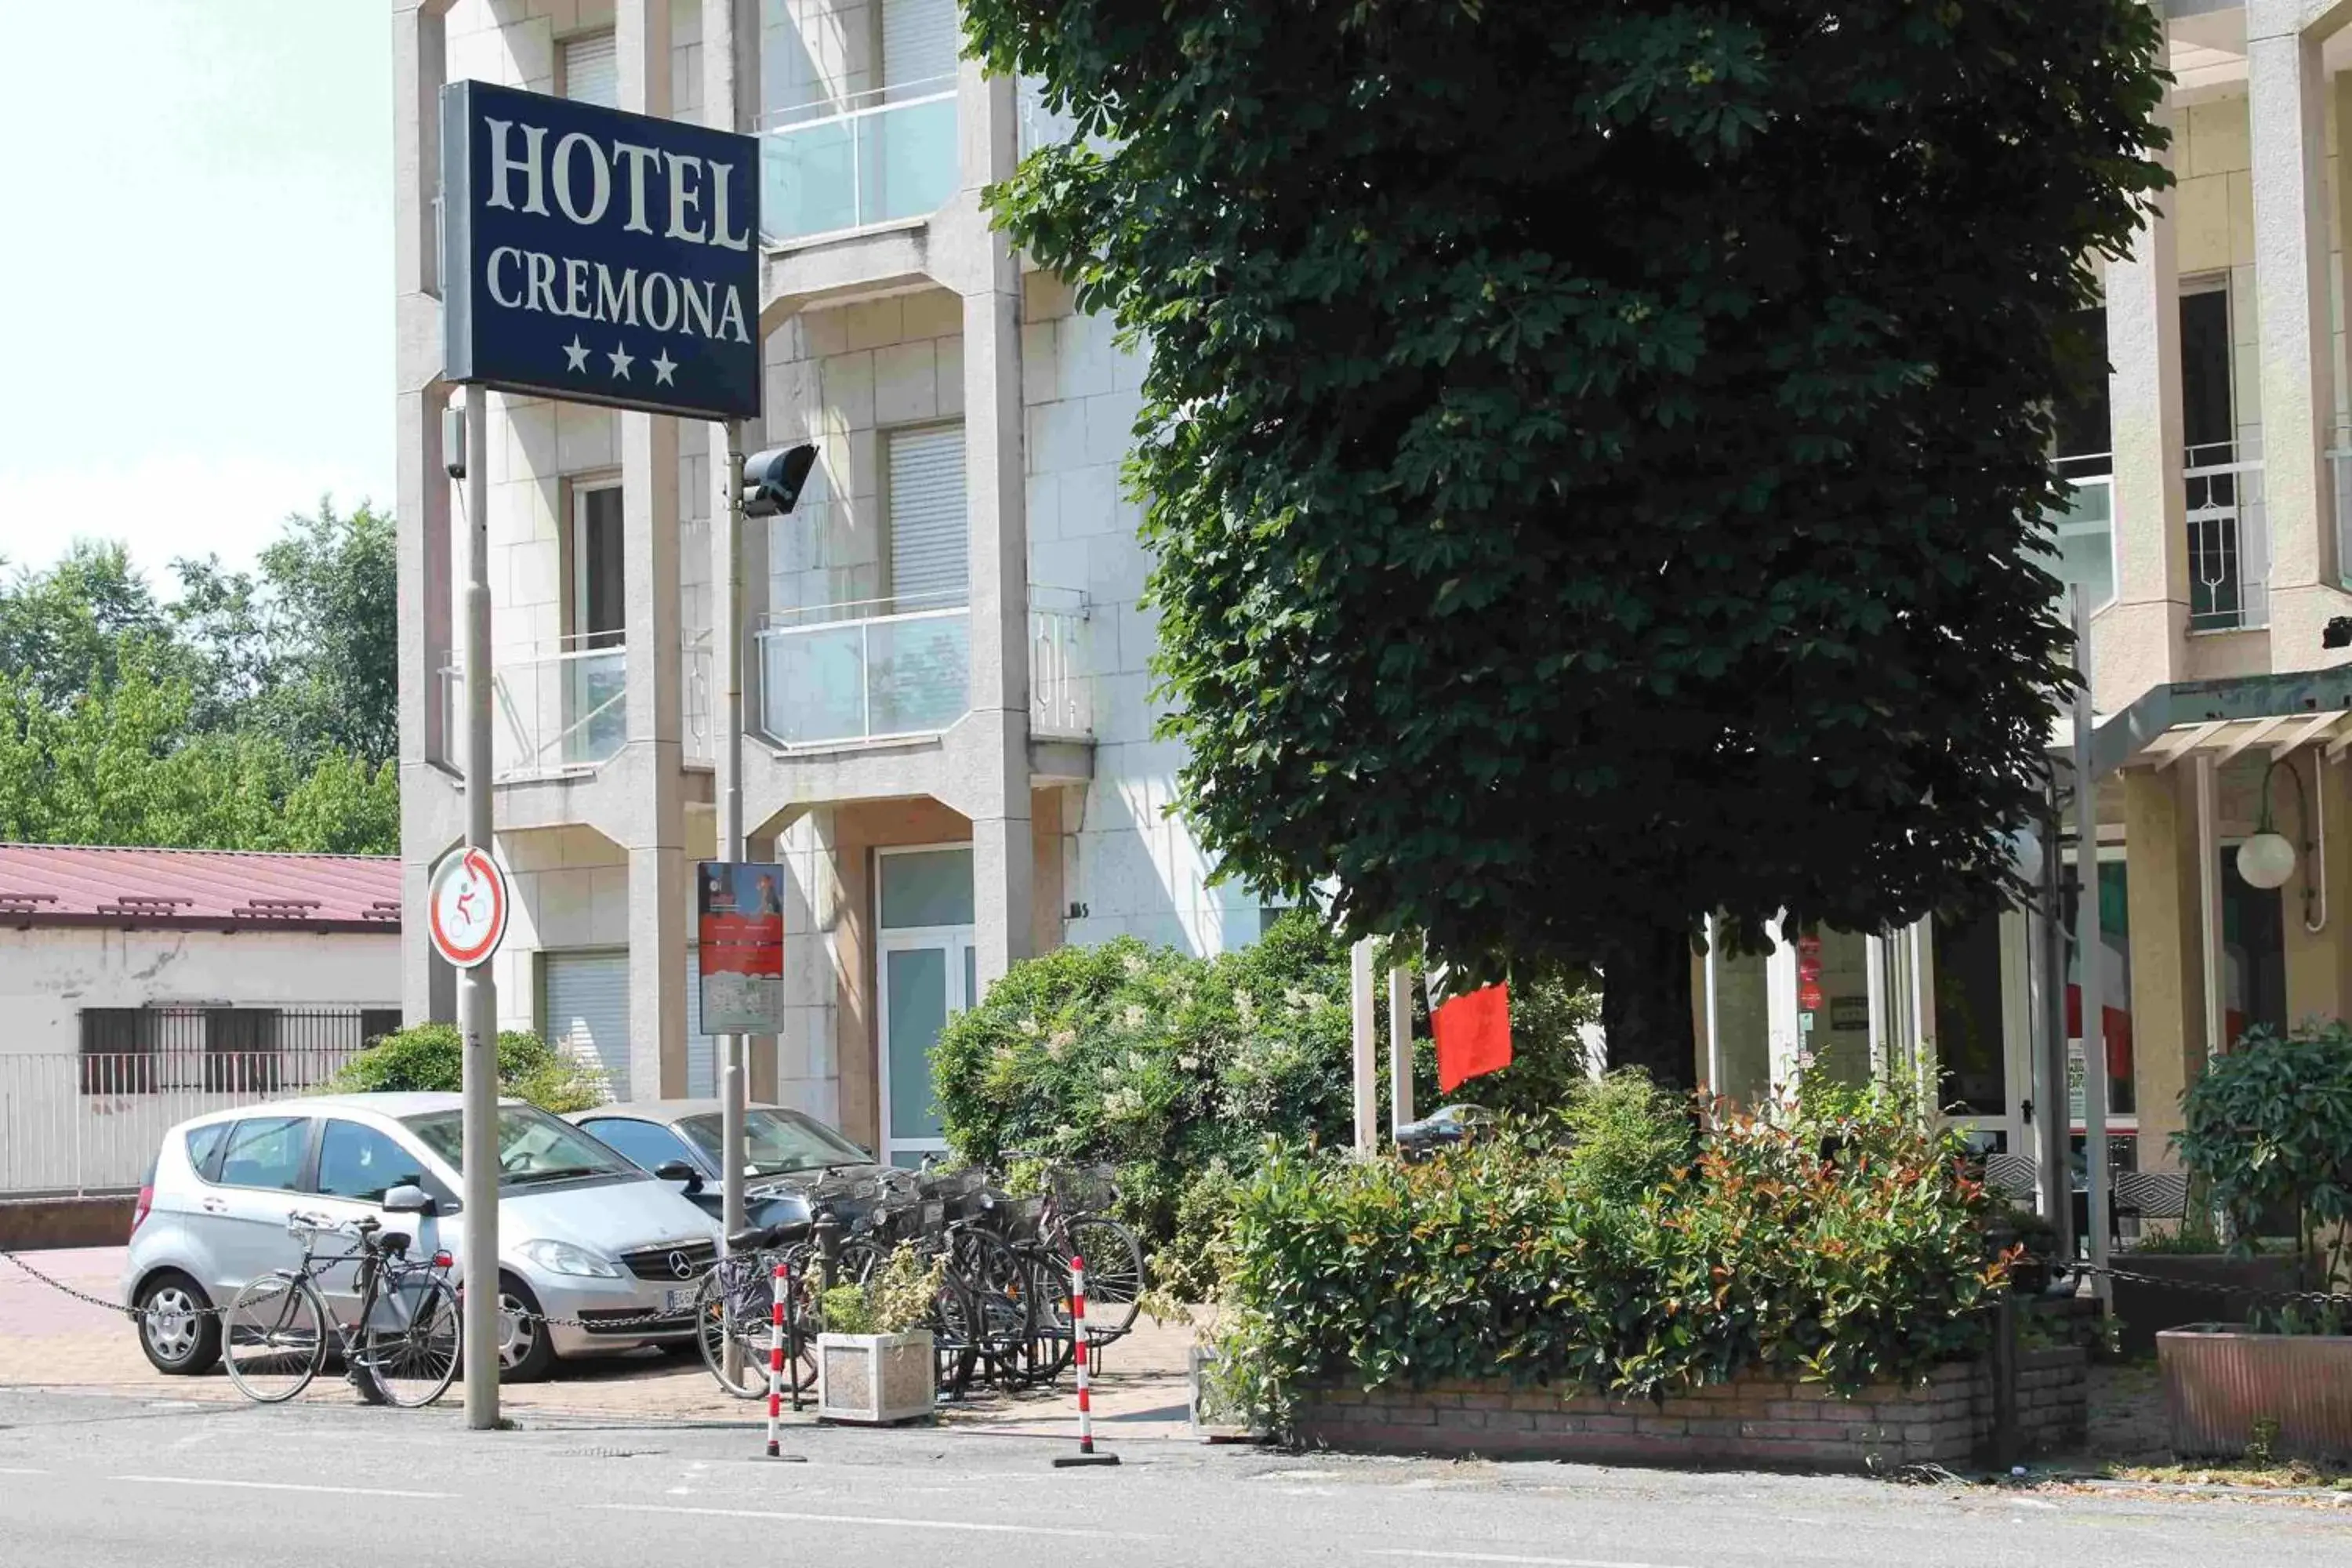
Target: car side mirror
<point x="679" y="1170"/>
<point x="408" y="1198"/>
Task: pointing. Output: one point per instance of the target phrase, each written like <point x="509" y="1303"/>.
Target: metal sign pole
<point x="477" y="992"/>
<point x="728" y="614"/>
<point x="2090" y="956"/>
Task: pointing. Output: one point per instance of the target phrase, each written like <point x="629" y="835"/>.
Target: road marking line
<point x="278" y="1486"/>
<point x="1499" y="1557"/>
<point x="9" y="1470"/>
<point x="960" y="1524"/>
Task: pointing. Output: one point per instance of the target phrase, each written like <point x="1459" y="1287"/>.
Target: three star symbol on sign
<point x="575" y="356"/>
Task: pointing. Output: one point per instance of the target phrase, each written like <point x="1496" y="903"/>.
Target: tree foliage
<point x="1594" y="453"/>
<point x="426" y="1058"/>
<point x="252" y="712"/>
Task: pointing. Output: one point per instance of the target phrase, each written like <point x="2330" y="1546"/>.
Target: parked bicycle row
<point x="608" y="1241"/>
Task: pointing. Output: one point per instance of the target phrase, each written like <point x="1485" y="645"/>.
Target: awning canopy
<point x="2276" y="713"/>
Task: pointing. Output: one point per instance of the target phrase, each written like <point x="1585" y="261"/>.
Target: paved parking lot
<point x="54" y="1341"/>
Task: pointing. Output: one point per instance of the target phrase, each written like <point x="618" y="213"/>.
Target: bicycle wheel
<point x="1048" y="1347"/>
<point x="730" y="1308"/>
<point x="274" y="1337"/>
<point x="1114" y="1260"/>
<point x="1000" y="1290"/>
<point x="955" y="1334"/>
<point x="409" y="1345"/>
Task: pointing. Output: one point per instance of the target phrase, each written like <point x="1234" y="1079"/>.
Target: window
<point x="779" y="1141"/>
<point x="930" y="550"/>
<point x="375" y="1023"/>
<point x="118" y="1050"/>
<point x="644" y="1143"/>
<point x="532" y="1146"/>
<point x="591" y="70"/>
<point x="598" y="616"/>
<point x="266" y="1152"/>
<point x="2229" y="553"/>
<point x="2085" y="530"/>
<point x="241" y="1050"/>
<point x="356" y="1162"/>
<point x="204" y="1146"/>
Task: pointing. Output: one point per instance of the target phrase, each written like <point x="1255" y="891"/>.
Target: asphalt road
<point x="103" y="1480"/>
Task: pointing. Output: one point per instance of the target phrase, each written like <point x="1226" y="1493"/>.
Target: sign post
<point x="466" y="905"/>
<point x="592" y="256"/>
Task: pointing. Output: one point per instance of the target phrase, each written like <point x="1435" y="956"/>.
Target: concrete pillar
<point x="652" y="830"/>
<point x="990" y="283"/>
<point x="2286" y="114"/>
<point x="2141" y="635"/>
<point x="421" y="498"/>
<point x="2167" y="989"/>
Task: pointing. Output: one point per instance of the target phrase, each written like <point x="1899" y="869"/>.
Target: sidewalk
<point x="47" y="1340"/>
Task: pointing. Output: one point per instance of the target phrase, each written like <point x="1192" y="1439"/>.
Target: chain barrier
<point x="2219" y="1287"/>
<point x="139" y="1314"/>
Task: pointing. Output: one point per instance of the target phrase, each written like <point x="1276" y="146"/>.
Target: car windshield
<point x="778" y="1141"/>
<point x="533" y="1147"/>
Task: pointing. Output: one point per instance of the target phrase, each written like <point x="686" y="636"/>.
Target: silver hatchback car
<point x="583" y="1234"/>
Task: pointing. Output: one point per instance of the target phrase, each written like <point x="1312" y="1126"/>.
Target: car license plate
<point x="678" y="1301"/>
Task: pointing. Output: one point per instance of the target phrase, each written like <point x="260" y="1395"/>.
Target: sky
<point x="196" y="274"/>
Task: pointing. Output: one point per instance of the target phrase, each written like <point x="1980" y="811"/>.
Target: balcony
<point x="563" y="711"/>
<point x="882" y="669"/>
<point x="883" y="156"/>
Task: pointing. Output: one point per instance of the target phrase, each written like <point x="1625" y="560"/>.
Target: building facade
<point x="948" y="745"/>
<point x="142" y="986"/>
<point x="2211" y="530"/>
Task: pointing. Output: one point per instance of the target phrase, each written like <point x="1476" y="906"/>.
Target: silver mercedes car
<point x="583" y="1234"/>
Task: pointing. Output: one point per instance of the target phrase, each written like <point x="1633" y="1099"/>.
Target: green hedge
<point x="431" y="1057"/>
<point x="1177" y="1069"/>
<point x="1520" y="1260"/>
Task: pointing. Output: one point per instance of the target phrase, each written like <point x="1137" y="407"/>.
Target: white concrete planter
<point x="876" y="1380"/>
<point x="1216" y="1418"/>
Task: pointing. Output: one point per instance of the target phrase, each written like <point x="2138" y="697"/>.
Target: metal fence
<point x="90" y="1120"/>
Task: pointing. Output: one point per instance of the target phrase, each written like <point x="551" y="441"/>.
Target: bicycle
<point x="274" y="1333"/>
<point x="1070" y="1220"/>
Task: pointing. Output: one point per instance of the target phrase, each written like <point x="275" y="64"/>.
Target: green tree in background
<point x="1594" y="453"/>
<point x="247" y="714"/>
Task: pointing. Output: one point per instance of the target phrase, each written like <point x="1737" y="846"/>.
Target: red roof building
<point x="207" y="889"/>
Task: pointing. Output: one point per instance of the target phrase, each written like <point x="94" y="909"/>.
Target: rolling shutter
<point x="920" y="40"/>
<point x="591" y="70"/>
<point x="930" y="550"/>
<point x="588" y="1011"/>
<point x="701" y="1049"/>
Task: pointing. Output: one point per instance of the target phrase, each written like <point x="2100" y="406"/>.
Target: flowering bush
<point x="1509" y="1260"/>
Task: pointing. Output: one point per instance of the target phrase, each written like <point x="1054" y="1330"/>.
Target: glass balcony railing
<point x="552" y="712"/>
<point x="889" y="154"/>
<point x="866" y="670"/>
<point x="893" y="668"/>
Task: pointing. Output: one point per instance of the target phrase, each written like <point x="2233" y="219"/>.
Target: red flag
<point x="1474" y="1036"/>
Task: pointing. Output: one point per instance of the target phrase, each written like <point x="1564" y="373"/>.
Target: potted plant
<point x="2268" y="1130"/>
<point x="874" y="1359"/>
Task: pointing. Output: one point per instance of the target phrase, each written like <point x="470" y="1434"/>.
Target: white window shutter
<point x="930" y="550"/>
<point x="591" y="70"/>
<point x="919" y="43"/>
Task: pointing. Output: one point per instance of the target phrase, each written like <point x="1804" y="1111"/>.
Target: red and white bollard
<point x="1081" y="1352"/>
<point x="783" y="1288"/>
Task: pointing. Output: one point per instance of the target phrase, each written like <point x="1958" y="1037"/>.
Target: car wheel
<point x="526" y="1354"/>
<point x="176" y="1327"/>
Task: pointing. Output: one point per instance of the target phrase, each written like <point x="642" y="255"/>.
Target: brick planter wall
<point x="1754" y="1420"/>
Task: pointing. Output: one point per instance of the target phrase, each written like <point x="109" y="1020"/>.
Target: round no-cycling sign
<point x="466" y="907"/>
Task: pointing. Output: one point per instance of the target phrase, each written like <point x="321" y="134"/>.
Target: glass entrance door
<point x="926" y="973"/>
<point x="1983" y="1032"/>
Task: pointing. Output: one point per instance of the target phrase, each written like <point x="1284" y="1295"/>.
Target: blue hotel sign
<point x="599" y="257"/>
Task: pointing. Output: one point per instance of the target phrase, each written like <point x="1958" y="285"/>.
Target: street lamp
<point x="2268" y="858"/>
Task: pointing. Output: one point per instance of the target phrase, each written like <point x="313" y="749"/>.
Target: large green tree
<point x="254" y="711"/>
<point x="1594" y="453"/>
